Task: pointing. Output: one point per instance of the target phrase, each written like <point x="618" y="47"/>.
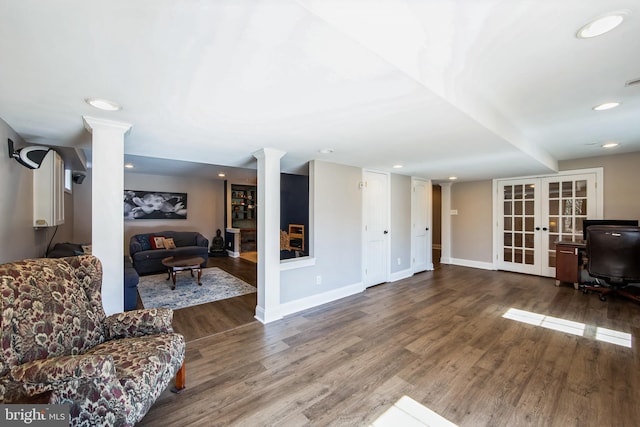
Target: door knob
<point x="537" y="228"/>
<point x="544" y="228"/>
<point x="386" y="232"/>
<point x="427" y="229"/>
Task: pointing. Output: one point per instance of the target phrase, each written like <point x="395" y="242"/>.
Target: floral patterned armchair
<point x="56" y="340"/>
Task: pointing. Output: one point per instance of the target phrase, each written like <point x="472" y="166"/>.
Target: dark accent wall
<point x="294" y="202"/>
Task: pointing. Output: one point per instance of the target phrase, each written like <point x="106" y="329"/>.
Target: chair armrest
<point x="202" y="241"/>
<point x="137" y="323"/>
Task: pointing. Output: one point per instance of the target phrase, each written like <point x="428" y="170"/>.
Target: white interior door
<point x="567" y="202"/>
<point x="521" y="232"/>
<point x="376" y="227"/>
<point x="535" y="213"/>
<point x="421" y="225"/>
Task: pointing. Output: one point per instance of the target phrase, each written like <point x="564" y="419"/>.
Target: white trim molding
<point x="311" y="301"/>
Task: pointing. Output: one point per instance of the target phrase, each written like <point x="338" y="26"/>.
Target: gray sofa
<point x="147" y="260"/>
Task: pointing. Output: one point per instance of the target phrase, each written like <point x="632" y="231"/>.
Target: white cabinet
<point x="48" y="192"/>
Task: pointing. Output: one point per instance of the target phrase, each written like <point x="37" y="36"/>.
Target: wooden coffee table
<point x="177" y="263"/>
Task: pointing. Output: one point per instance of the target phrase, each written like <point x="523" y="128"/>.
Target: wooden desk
<point x="569" y="262"/>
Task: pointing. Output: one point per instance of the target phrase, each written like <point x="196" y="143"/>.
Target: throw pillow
<point x="157" y="242"/>
<point x="143" y="239"/>
<point x="169" y="243"/>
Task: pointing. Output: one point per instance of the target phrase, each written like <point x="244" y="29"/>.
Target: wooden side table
<point x="569" y="262"/>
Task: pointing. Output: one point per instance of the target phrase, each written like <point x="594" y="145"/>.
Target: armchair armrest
<point x="137" y="323"/>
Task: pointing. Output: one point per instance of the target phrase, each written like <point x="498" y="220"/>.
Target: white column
<point x="445" y="237"/>
<point x="268" y="308"/>
<point x="107" y="220"/>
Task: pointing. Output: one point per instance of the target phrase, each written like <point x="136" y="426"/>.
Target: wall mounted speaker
<point x="78" y="177"/>
<point x="30" y="157"/>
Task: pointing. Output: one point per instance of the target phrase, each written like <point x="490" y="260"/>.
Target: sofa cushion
<point x="157" y="242"/>
<point x="185" y="239"/>
<point x="169" y="243"/>
<point x="143" y="239"/>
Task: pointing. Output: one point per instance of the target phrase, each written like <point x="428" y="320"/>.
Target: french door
<point x="534" y="213"/>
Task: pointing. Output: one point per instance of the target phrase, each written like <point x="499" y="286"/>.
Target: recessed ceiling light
<point x="128" y="166"/>
<point x="221" y="175"/>
<point x="601" y="25"/>
<point x="326" y="151"/>
<point x="610" y="145"/>
<point x="606" y="106"/>
<point x="397" y="166"/>
<point x="103" y="104"/>
<point x="453" y="178"/>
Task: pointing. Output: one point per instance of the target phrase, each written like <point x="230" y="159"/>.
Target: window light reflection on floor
<point x="406" y="412"/>
<point x="571" y="327"/>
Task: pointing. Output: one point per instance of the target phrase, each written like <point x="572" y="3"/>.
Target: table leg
<point x="199" y="276"/>
<point x="173" y="277"/>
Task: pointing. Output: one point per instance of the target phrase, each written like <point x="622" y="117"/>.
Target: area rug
<point x="155" y="291"/>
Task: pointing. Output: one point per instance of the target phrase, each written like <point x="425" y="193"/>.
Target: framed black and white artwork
<point x="154" y="205"/>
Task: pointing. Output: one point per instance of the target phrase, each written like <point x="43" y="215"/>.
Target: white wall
<point x="400" y="223"/>
<point x="82" y="210"/>
<point x="337" y="216"/>
<point x="18" y="239"/>
<point x="205" y="205"/>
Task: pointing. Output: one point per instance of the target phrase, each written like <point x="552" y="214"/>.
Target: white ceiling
<point x="473" y="88"/>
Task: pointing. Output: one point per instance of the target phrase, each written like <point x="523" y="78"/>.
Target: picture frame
<point x="143" y="204"/>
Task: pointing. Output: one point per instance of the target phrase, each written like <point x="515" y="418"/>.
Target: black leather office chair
<point x="613" y="254"/>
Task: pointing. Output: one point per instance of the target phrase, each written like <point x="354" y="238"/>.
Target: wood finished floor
<point x="438" y="337"/>
<point x="218" y="316"/>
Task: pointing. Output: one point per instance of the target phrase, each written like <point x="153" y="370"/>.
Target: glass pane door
<point x="569" y="201"/>
<point x="519" y="238"/>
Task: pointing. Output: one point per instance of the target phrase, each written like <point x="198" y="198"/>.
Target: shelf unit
<point x="243" y="206"/>
<point x="296" y="237"/>
<point x="242" y="214"/>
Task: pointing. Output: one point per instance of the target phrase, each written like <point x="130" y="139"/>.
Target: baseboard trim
<point x="305" y="303"/>
<point x="263" y="317"/>
<point x="399" y="275"/>
<point x="468" y="263"/>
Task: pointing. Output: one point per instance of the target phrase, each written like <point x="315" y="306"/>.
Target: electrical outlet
<point x="318" y="280"/>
